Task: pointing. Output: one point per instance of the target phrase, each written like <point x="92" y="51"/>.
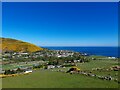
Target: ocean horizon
<point x="110" y="51"/>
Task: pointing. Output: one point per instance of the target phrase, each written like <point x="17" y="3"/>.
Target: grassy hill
<point x="9" y="44"/>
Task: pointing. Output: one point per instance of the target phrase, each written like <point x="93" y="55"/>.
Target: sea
<point x="102" y="51"/>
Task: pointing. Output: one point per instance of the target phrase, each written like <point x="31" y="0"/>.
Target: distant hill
<point x="9" y="44"/>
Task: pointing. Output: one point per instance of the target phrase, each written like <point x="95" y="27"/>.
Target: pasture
<point x="53" y="79"/>
<point x="48" y="79"/>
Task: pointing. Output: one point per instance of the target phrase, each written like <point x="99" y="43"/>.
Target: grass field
<point x="20" y="64"/>
<point x="48" y="79"/>
<point x="53" y="79"/>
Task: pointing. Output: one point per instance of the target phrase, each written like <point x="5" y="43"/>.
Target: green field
<point x="48" y="79"/>
<point x="54" y="79"/>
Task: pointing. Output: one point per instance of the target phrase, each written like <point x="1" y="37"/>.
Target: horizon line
<point x="78" y="46"/>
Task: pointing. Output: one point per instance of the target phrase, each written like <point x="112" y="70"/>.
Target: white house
<point x="28" y="71"/>
<point x="50" y="66"/>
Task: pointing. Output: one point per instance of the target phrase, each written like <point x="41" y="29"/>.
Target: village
<point x="47" y="58"/>
<point x="54" y="60"/>
<point x="7" y="55"/>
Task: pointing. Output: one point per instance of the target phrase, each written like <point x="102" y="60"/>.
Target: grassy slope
<point x="17" y="45"/>
<point x="97" y="63"/>
<point x="47" y="79"/>
<point x="51" y="79"/>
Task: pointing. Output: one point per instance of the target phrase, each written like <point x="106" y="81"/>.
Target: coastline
<point x="111" y="51"/>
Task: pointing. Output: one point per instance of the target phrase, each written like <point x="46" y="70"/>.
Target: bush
<point x="38" y="66"/>
<point x="68" y="65"/>
<point x="9" y="72"/>
<point x="19" y="70"/>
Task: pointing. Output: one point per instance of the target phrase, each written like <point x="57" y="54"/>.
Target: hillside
<point x="9" y="44"/>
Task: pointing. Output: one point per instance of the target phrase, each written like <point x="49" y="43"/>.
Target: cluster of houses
<point x="14" y="55"/>
<point x="42" y="53"/>
<point x="55" y="53"/>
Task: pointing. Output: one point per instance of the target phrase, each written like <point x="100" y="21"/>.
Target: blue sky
<point x="61" y="24"/>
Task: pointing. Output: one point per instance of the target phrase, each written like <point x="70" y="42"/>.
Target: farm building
<point x="50" y="66"/>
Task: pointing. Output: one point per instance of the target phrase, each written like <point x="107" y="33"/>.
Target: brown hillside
<point x="17" y="45"/>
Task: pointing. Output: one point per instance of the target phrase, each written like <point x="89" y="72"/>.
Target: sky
<point x="61" y="23"/>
